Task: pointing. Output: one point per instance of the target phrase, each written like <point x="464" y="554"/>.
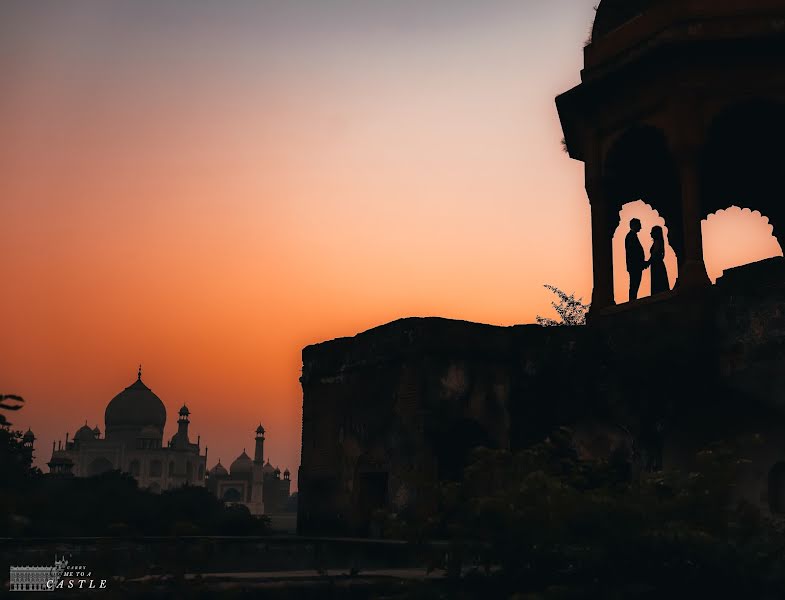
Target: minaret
<point x="28" y="440"/>
<point x="257" y="479"/>
<point x="182" y="425"/>
<point x="258" y="456"/>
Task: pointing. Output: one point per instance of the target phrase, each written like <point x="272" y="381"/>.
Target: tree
<point x="9" y="402"/>
<point x="571" y="310"/>
<point x="15" y="457"/>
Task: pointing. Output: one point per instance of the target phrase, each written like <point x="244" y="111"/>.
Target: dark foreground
<point x="237" y="567"/>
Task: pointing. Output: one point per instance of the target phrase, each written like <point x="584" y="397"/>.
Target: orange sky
<point x="207" y="190"/>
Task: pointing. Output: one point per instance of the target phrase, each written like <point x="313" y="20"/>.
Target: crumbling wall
<point x="388" y="413"/>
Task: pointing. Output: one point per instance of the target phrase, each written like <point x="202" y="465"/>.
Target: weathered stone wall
<point x="399" y="406"/>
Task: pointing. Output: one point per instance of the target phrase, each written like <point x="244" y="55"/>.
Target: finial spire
<point x="139" y="374"/>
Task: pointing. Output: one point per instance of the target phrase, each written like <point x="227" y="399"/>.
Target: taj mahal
<point x="132" y="443"/>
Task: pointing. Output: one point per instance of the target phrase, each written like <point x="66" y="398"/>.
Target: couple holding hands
<point x="637" y="263"/>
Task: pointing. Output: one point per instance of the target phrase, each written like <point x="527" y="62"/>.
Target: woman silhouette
<point x="659" y="273"/>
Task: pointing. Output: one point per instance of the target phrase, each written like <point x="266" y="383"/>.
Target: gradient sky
<point x="207" y="187"/>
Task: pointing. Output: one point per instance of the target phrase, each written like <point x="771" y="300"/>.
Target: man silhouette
<point x="636" y="260"/>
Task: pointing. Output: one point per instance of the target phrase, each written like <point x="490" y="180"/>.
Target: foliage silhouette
<point x="15" y="459"/>
<point x="544" y="523"/>
<point x="111" y="504"/>
<point x="9" y="402"/>
<point x="571" y="310"/>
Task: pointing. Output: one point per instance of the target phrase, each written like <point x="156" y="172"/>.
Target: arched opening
<point x="189" y="471"/>
<point x="649" y="219"/>
<point x="232" y="495"/>
<point x="156" y="469"/>
<point x="642" y="182"/>
<point x="133" y="468"/>
<point x="370" y="490"/>
<point x="98" y="466"/>
<point x="743" y="172"/>
<point x="737" y="236"/>
<point x="777" y="489"/>
<point x="201" y="472"/>
<point x="171" y="469"/>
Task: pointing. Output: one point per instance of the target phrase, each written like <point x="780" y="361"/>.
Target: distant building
<point x="253" y="483"/>
<point x="133" y="443"/>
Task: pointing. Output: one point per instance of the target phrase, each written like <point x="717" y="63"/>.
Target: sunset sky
<point x="208" y="187"/>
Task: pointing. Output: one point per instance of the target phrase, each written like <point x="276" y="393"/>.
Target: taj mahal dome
<point x="133" y="443"/>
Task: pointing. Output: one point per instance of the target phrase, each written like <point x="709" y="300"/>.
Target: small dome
<point x="180" y="440"/>
<point x="184" y="411"/>
<point x="260" y="429"/>
<point x="277" y="471"/>
<point x="241" y="464"/>
<point x="268" y="468"/>
<point x="84" y="433"/>
<point x="286" y="472"/>
<point x="28" y="435"/>
<point x="134" y="408"/>
<point x="218" y="470"/>
<point x="96" y="431"/>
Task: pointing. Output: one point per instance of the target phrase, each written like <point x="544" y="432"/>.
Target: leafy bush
<point x="541" y="521"/>
<point x="571" y="310"/>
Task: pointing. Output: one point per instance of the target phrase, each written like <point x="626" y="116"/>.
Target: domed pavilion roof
<point x="268" y="468"/>
<point x="612" y="14"/>
<point x="218" y="470"/>
<point x="242" y="464"/>
<point x="135" y="407"/>
<point x="84" y="433"/>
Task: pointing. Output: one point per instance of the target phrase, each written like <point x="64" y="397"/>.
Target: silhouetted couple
<point x="637" y="263"/>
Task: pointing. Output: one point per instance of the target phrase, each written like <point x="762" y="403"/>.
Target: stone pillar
<point x="602" y="230"/>
<point x="686" y="143"/>
<point x="692" y="270"/>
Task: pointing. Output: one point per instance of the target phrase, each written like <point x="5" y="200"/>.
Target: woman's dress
<point x="659" y="273"/>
